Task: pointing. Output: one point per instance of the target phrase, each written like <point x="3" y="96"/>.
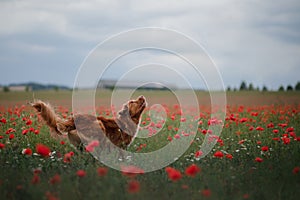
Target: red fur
<point x="120" y="131"/>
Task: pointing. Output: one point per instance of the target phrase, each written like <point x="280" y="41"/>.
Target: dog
<point x="84" y="128"/>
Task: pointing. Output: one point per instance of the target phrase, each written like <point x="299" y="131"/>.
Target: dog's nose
<point x="141" y="97"/>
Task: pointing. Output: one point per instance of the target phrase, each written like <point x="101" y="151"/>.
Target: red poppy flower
<point x="35" y="179"/>
<point x="92" y="145"/>
<point x="258" y="159"/>
<point x="133" y="186"/>
<point x="43" y="150"/>
<point x="219" y="154"/>
<point x="36" y="132"/>
<point x="131" y="171"/>
<point x="2" y="146"/>
<point x="11" y="136"/>
<point x="265" y="148"/>
<point x="173" y="174"/>
<point x="10" y="130"/>
<point x="206" y="192"/>
<point x="27" y="151"/>
<point x="81" y="173"/>
<point x="28" y="122"/>
<point x="192" y="170"/>
<point x="198" y="154"/>
<point x="3" y="120"/>
<point x="259" y="128"/>
<point x="67" y="157"/>
<point x="229" y="156"/>
<point x="50" y="196"/>
<point x="55" y="179"/>
<point x="102" y="171"/>
<point x="286" y="140"/>
<point x="25" y="131"/>
<point x="242" y="120"/>
<point x="296" y="170"/>
<point x="275" y="131"/>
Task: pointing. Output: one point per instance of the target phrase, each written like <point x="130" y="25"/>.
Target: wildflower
<point x="296" y="170"/>
<point x="92" y="145"/>
<point x="31" y="129"/>
<point x="173" y="174"/>
<point x="35" y="179"/>
<point x="177" y="136"/>
<point x="258" y="159"/>
<point x="133" y="186"/>
<point x="286" y="140"/>
<point x="81" y="173"/>
<point x="290" y="129"/>
<point x="265" y="148"/>
<point x="219" y="154"/>
<point x="229" y="156"/>
<point x="10" y="130"/>
<point x="55" y="179"/>
<point x="27" y="151"/>
<point x="43" y="150"/>
<point x="25" y="131"/>
<point x="185" y="187"/>
<point x="206" y="192"/>
<point x="11" y="136"/>
<point x="242" y="120"/>
<point x="198" y="154"/>
<point x="131" y="171"/>
<point x="102" y="171"/>
<point x="259" y="128"/>
<point x="2" y="146"/>
<point x="192" y="170"/>
<point x="67" y="157"/>
<point x="36" y="132"/>
<point x="275" y="131"/>
<point x="50" y="196"/>
<point x="28" y="122"/>
<point x="3" y="120"/>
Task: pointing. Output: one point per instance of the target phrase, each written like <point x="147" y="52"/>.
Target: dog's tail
<point x="48" y="114"/>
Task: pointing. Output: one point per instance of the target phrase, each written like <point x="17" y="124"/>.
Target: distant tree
<point x="257" y="89"/>
<point x="234" y="89"/>
<point x="281" y="88"/>
<point x="243" y="86"/>
<point x="56" y="88"/>
<point x="6" y="89"/>
<point x="297" y="87"/>
<point x="228" y="88"/>
<point x="264" y="89"/>
<point x="27" y="88"/>
<point x="289" y="88"/>
<point x="251" y="87"/>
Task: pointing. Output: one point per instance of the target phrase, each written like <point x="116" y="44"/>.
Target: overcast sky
<point x="47" y="41"/>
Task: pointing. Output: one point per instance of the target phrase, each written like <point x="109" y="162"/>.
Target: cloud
<point x="256" y="41"/>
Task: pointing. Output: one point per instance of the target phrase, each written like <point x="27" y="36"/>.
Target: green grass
<point x="238" y="178"/>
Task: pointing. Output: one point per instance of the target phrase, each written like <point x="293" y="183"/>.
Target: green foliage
<point x="6" y="89"/>
<point x="243" y="86"/>
<point x="297" y="87"/>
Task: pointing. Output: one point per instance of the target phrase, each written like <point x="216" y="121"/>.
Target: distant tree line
<point x="250" y="87"/>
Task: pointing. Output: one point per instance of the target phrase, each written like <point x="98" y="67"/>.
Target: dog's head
<point x="134" y="109"/>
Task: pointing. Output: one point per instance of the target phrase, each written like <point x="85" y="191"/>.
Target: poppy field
<point x="257" y="155"/>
